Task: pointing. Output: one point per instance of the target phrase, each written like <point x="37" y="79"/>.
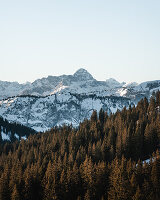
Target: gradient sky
<point x="109" y="38"/>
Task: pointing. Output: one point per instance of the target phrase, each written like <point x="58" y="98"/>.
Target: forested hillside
<point x="102" y="159"/>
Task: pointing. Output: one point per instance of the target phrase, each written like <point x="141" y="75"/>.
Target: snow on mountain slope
<point x="148" y="86"/>
<point x="81" y="82"/>
<point x="114" y="83"/>
<point x="67" y="98"/>
<point x="9" y="89"/>
<point x="5" y="136"/>
<point x="13" y="131"/>
<point x="139" y="91"/>
<point x="42" y="113"/>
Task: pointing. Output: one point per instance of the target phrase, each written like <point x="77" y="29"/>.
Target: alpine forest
<point x="107" y="157"/>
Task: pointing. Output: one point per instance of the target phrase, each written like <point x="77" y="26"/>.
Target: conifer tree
<point x="15" y="194"/>
<point x="138" y="194"/>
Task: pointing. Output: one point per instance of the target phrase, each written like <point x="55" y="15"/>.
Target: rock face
<point x="44" y="86"/>
<point x="42" y="113"/>
<point x="67" y="99"/>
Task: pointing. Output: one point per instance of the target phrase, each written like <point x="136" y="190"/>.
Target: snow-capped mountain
<point x="56" y="100"/>
<point x="137" y="91"/>
<point x="44" y="86"/>
<point x="80" y="82"/>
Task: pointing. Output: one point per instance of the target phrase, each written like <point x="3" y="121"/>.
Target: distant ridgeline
<point x="67" y="99"/>
<point x="13" y="131"/>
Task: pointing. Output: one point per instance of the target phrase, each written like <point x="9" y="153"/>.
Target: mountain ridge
<point x="68" y="99"/>
<point x="80" y="79"/>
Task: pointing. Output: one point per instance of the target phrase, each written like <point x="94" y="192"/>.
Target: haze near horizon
<point x="118" y="39"/>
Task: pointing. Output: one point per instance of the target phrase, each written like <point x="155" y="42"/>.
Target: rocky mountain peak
<point x="83" y="75"/>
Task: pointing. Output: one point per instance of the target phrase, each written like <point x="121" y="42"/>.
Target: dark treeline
<point x="14" y="128"/>
<point x="99" y="160"/>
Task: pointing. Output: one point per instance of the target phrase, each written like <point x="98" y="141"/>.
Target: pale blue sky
<point x="109" y="38"/>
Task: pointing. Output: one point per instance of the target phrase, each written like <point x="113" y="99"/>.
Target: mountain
<point x="42" y="113"/>
<point x="44" y="86"/>
<point x="114" y="83"/>
<point x="67" y="99"/>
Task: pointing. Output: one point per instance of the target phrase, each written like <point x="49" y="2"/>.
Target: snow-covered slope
<point x="112" y="83"/>
<point x="137" y="91"/>
<point x="81" y="82"/>
<point x="44" y="86"/>
<point x="9" y="89"/>
<point x="42" y="113"/>
<point x="67" y="98"/>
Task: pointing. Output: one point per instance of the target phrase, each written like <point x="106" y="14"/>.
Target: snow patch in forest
<point x="5" y="136"/>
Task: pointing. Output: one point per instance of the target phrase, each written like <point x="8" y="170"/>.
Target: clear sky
<point x="109" y="38"/>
